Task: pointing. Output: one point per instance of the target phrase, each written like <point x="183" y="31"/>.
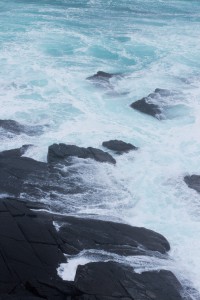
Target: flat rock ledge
<point x="119" y="146"/>
<point x="31" y="250"/>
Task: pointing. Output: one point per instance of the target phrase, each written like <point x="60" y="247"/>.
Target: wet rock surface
<point x="146" y="107"/>
<point x="20" y="175"/>
<point x="193" y="182"/>
<point x="119" y="146"/>
<point x="31" y="249"/>
<point x="59" y="153"/>
<point x="16" y="171"/>
<point x="150" y="104"/>
<point x="115" y="281"/>
<point x="109" y="236"/>
<point x="29" y="254"/>
<point x="14" y="127"/>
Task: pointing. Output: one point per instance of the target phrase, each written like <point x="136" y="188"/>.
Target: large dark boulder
<point x="60" y="153"/>
<point x="119" y="146"/>
<point x="150" y="104"/>
<point x="78" y="234"/>
<point x="111" y="280"/>
<point x="193" y="182"/>
<point x="16" y="128"/>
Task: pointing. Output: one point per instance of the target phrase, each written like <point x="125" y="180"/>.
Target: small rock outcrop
<point x="118" y="146"/>
<point x="59" y="153"/>
<point x="150" y="104"/>
<point x="100" y="75"/>
<point x="193" y="182"/>
<point x="146" y="107"/>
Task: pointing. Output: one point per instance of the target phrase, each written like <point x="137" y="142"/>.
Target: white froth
<point x="46" y="52"/>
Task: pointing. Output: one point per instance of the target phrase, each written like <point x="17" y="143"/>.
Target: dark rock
<point x="29" y="255"/>
<point x="146" y="107"/>
<point x="193" y="182"/>
<point x="109" y="236"/>
<point x="115" y="281"/>
<point x="16" y="170"/>
<point x="59" y="153"/>
<point x="103" y="80"/>
<point x="119" y="146"/>
<point x="25" y="177"/>
<point x="18" y="152"/>
<point x="149" y="106"/>
<point x="100" y="75"/>
<point x="30" y="252"/>
<point x="16" y="128"/>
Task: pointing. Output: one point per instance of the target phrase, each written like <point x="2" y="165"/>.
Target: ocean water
<point x="47" y="50"/>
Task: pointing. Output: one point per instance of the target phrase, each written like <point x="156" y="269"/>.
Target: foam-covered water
<point x="48" y="48"/>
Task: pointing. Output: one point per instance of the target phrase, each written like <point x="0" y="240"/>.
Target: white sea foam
<point x="46" y="52"/>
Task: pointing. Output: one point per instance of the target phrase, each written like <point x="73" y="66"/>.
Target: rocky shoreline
<point x="35" y="241"/>
<point x="31" y="248"/>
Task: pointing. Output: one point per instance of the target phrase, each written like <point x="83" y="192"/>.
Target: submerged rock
<point x="193" y="182"/>
<point x="149" y="105"/>
<point x="58" y="153"/>
<point x="112" y="280"/>
<point x="100" y="75"/>
<point x="104" y="80"/>
<point x="163" y="92"/>
<point x="119" y="146"/>
<point x="16" y="128"/>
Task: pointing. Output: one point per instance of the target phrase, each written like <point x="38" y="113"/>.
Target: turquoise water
<point x="48" y="48"/>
